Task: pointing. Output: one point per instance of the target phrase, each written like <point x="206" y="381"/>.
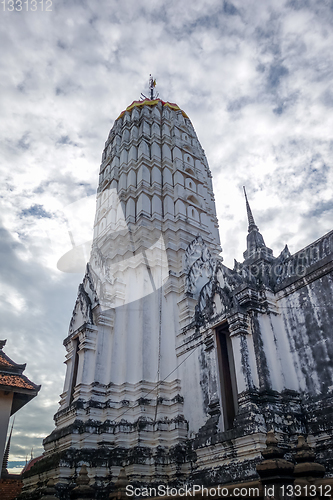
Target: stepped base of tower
<point x="233" y="460"/>
<point x="126" y="415"/>
<point x="212" y="459"/>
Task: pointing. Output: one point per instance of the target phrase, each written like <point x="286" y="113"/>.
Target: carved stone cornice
<point x="238" y="324"/>
<point x="261" y="300"/>
<point x="87" y="338"/>
<point x="209" y="340"/>
<point x="248" y="297"/>
<point x="186" y="310"/>
<point x="106" y="318"/>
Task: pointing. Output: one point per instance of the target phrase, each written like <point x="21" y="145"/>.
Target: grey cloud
<point x="283" y="238"/>
<point x="67" y="88"/>
<point x="66" y="186"/>
<point x="24" y="143"/>
<point x="88" y="189"/>
<point x="229" y="8"/>
<point x="35" y="211"/>
<point x="21" y="87"/>
<point x="61" y="45"/>
<point x="65" y="140"/>
<point x="238" y="104"/>
<point x="17" y="146"/>
<point x="298" y="4"/>
<point x="28" y="82"/>
<point x="327" y="98"/>
<point x="284" y="104"/>
<point x="268" y="39"/>
<point x="261" y="68"/>
<point x="279" y="109"/>
<point x="276" y="72"/>
<point x="266" y="216"/>
<point x="302" y="174"/>
<point x="193" y="20"/>
<point x="316" y="177"/>
<point x="37" y="340"/>
<point x="320" y="208"/>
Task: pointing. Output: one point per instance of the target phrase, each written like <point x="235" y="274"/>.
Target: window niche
<point x="228" y="384"/>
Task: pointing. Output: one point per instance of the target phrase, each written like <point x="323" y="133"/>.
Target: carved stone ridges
<point x="86" y="300"/>
<point x="208" y="281"/>
<point x="199" y="266"/>
<point x="154" y="166"/>
<point x="278" y="273"/>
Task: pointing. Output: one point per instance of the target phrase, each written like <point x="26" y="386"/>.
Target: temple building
<point x="179" y="369"/>
<point x="16" y="390"/>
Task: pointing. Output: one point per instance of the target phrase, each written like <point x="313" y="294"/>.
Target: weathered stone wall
<point x="307" y="313"/>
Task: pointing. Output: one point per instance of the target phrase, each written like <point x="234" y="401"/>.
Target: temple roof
<point x="31" y="463"/>
<point x="13" y="380"/>
<point x="7" y="364"/>
<point x="16" y="382"/>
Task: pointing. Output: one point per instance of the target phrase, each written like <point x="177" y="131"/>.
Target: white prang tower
<point x="125" y="398"/>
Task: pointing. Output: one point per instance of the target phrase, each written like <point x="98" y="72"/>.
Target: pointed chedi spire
<point x="252" y="224"/>
<point x="255" y="241"/>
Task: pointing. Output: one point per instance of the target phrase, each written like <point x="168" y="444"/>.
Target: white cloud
<point x="12" y="298"/>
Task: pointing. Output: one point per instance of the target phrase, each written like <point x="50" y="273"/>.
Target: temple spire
<point x="152" y="85"/>
<point x="252" y="224"/>
<point x="254" y="241"/>
<point x="152" y="94"/>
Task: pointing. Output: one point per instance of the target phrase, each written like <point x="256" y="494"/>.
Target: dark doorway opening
<point x="75" y="368"/>
<point x="227" y="375"/>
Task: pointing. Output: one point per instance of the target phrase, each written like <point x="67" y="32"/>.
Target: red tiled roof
<point x="16" y="381"/>
<point x="13" y="380"/>
<point x="31" y="463"/>
<point x="4" y="361"/>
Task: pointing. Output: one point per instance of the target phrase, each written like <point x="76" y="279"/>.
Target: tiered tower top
<point x="154" y="168"/>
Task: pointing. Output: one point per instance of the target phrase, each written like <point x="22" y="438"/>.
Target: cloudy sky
<point x="254" y="76"/>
